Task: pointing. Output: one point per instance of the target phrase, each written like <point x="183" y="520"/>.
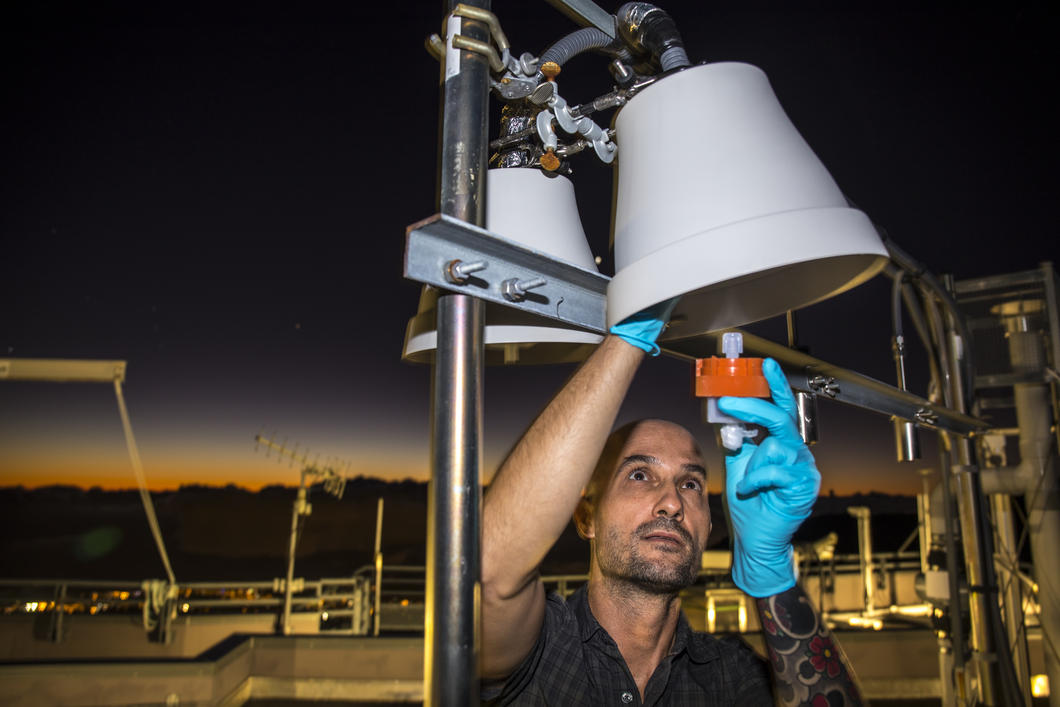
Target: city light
<point x="862" y="622"/>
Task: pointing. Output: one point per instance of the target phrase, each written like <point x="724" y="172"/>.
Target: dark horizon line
<point x="831" y="493"/>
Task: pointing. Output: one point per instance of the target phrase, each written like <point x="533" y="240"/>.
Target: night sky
<point x="218" y="194"/>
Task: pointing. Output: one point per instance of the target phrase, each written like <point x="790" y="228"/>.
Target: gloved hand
<point x="770" y="489"/>
<point x="643" y="328"/>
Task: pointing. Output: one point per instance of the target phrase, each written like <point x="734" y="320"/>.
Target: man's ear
<point x="583" y="519"/>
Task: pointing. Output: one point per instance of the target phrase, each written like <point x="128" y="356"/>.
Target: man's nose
<point x="669" y="503"/>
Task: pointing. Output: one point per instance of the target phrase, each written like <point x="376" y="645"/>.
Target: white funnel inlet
<point x="538" y="211"/>
<point x="720" y="200"/>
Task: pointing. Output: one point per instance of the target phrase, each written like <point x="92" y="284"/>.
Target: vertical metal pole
<point x="864" y="516"/>
<point x="60" y="611"/>
<point x="378" y="565"/>
<point x="454" y="507"/>
<point x="793" y="331"/>
<point x="454" y="496"/>
<point x="1012" y="590"/>
<point x="292" y="545"/>
<point x="952" y="654"/>
<point x="980" y="591"/>
<point x="969" y="510"/>
<point x="1033" y="415"/>
<point x="923" y="513"/>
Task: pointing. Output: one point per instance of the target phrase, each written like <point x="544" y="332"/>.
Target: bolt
<point x="514" y="290"/>
<point x="824" y="385"/>
<point x="926" y="417"/>
<point x="457" y="271"/>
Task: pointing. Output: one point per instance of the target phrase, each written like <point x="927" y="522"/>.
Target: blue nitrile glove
<point x="643" y="328"/>
<point x="770" y="489"/>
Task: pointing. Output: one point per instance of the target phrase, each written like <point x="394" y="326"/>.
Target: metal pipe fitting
<point x="649" y="30"/>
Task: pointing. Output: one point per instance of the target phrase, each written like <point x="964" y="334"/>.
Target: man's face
<point x="652" y="520"/>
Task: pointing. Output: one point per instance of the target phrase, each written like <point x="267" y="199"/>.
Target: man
<point x="622" y="639"/>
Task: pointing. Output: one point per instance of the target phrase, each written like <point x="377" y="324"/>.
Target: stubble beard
<point x="621" y="559"/>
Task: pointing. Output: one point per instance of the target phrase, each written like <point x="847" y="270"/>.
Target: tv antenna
<point x="334" y="483"/>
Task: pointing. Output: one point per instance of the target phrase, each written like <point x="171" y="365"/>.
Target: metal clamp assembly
<point x="486" y="17"/>
<point x="824" y="385"/>
<point x="926" y="417"/>
<point x="599" y="138"/>
<point x="499" y="58"/>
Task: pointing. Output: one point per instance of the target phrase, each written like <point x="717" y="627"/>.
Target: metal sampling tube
<point x="907" y="441"/>
<point x="455" y="492"/>
<point x="806" y="408"/>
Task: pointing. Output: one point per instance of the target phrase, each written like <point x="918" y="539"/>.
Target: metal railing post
<point x="57" y="616"/>
<point x="378" y="559"/>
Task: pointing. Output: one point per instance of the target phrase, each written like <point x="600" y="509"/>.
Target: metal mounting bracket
<point x="833" y="382"/>
<point x="569" y="294"/>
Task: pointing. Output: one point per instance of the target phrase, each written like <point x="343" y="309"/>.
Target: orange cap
<point x="741" y="377"/>
<point x="549" y="161"/>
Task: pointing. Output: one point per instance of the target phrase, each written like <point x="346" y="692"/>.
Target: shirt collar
<point x="587" y="623"/>
<point x="699" y="651"/>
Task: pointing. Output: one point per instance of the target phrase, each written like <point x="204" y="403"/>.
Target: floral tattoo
<point x="809" y="665"/>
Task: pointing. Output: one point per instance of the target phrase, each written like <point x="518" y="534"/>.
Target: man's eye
<point x="694" y="485"/>
<point x="637" y="475"/>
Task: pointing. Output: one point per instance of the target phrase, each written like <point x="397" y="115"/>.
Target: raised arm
<point x="534" y="493"/>
<point x="770" y="489"/>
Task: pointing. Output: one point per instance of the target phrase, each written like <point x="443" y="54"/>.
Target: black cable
<point x="919" y="272"/>
<point x="913" y="308"/>
<point x="917" y="317"/>
<point x="896" y="304"/>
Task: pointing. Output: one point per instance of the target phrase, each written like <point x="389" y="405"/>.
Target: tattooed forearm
<point x="809" y="666"/>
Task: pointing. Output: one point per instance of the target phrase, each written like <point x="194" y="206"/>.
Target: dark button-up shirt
<point x="576" y="662"/>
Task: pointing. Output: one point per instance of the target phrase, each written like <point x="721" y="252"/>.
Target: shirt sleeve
<point x="559" y="621"/>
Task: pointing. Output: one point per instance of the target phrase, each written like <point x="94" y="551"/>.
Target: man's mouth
<point x="666" y="538"/>
<point x="665" y="534"/>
